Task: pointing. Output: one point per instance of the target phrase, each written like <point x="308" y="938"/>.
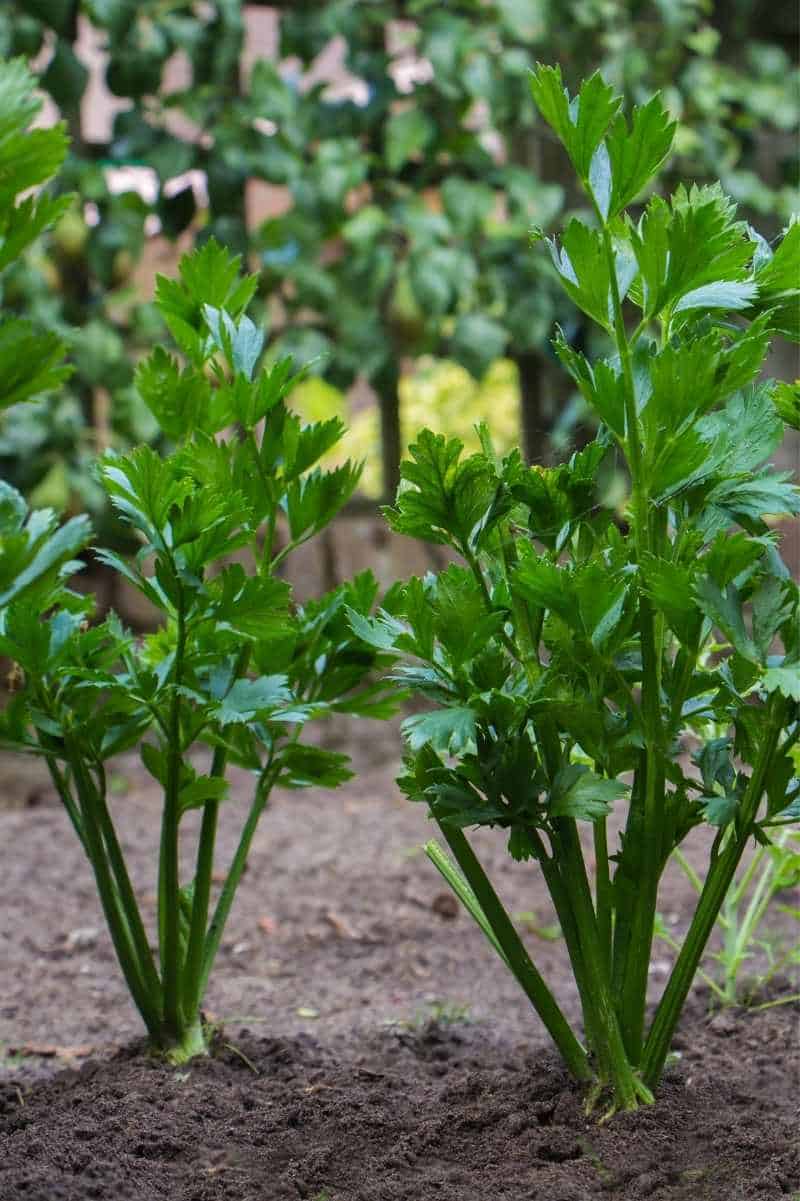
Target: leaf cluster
<point x="427" y="261"/>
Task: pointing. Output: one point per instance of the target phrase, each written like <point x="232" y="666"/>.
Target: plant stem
<point x="718" y="881"/>
<point x="744" y="930"/>
<point x="190" y="1043"/>
<point x="633" y="999"/>
<point x="62" y="788"/>
<point x="114" y="914"/>
<point x="458" y="882"/>
<point x="129" y="904"/>
<point x="603" y="887"/>
<point x="611" y="1048"/>
<point x="238" y="863"/>
<point x="569" y="928"/>
<point x="636" y="943"/>
<point x="688" y="870"/>
<point x="515" y="954"/>
<point x="204" y="868"/>
<point x="168" y="877"/>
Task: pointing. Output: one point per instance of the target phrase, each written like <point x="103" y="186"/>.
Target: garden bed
<point x="370" y="1048"/>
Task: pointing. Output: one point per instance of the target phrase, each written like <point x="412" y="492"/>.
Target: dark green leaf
<point x="577" y="792"/>
<point x="449" y="731"/>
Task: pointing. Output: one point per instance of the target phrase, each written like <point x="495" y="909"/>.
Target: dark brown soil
<point x="372" y="1049"/>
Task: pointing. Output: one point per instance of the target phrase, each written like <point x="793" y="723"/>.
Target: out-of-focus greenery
<point x="437" y="392"/>
<point x="409" y="182"/>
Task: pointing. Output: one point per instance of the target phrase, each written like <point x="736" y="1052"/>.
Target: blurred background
<point x="380" y="165"/>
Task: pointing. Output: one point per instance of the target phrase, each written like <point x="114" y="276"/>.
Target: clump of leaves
<point x="34" y="552"/>
<point x="235" y="671"/>
<point x="31" y="359"/>
<point x="570" y="653"/>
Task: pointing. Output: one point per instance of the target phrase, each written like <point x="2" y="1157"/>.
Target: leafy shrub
<point x="235" y="671"/>
<point x="570" y="652"/>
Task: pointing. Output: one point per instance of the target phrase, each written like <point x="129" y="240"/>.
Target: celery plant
<point x="772" y="868"/>
<point x="575" y="653"/>
<point x="235" y="670"/>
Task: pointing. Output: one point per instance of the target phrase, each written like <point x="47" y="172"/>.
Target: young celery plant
<point x="235" y="670"/>
<point x="771" y="869"/>
<point x="572" y="651"/>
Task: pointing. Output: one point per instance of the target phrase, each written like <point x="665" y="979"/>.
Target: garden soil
<point x="369" y="1046"/>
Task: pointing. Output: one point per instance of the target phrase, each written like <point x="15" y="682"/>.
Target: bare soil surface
<point x="371" y="1047"/>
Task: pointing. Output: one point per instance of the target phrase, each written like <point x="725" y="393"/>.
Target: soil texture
<point x="370" y="1047"/>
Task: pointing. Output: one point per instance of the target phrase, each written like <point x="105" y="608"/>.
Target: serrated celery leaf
<point x="381" y="632"/>
<point x="248" y="698"/>
<point x="449" y="731"/>
<point x="786" y="398"/>
<point x="721" y="810"/>
<point x="315" y="499"/>
<point x="773" y="603"/>
<point x="690" y="243"/>
<point x="143" y="487"/>
<point x="47" y="555"/>
<point x="303" y="766"/>
<point x="723" y="294"/>
<point x="13" y="509"/>
<point x="636" y="153"/>
<point x="442" y="498"/>
<point x="179" y="400"/>
<point x="724" y="608"/>
<point x="580" y="122"/>
<point x="200" y="790"/>
<point x="27" y="221"/>
<point x="785" y="679"/>
<point x="256" y="606"/>
<point x="577" y="792"/>
<point x="602" y="387"/>
<point x="30" y="361"/>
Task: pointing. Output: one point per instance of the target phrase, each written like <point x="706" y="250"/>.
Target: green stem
<point x="743" y="933"/>
<point x="569" y="928"/>
<point x="718" y="881"/>
<point x="168" y="874"/>
<point x="129" y="904"/>
<point x="460" y="886"/>
<point x="634" y="976"/>
<point x="238" y="863"/>
<point x="632" y="972"/>
<point x="611" y="1049"/>
<point x="603" y="887"/>
<point x="114" y="914"/>
<point x="738" y="892"/>
<point x="515" y="954"/>
<point x="192" y="975"/>
<point x="688" y="870"/>
<point x="56" y="775"/>
<point x="710" y="983"/>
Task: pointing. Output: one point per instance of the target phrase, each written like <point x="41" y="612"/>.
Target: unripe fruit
<point x="70" y="234"/>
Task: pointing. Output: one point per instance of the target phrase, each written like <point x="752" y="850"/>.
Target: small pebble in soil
<point x="82" y="938"/>
<point x="723" y="1025"/>
<point x="445" y="905"/>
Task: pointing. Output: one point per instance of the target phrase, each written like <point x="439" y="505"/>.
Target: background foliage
<point x="401" y="191"/>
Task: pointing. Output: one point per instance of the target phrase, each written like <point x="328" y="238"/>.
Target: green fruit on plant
<point x="122" y="266"/>
<point x="405" y="314"/>
<point x="70" y="234"/>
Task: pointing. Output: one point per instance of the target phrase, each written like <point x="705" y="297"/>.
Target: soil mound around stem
<point x="444" y="1111"/>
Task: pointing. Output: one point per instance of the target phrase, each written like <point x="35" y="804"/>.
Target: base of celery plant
<point x="192" y="1043"/>
<point x="602" y="1088"/>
